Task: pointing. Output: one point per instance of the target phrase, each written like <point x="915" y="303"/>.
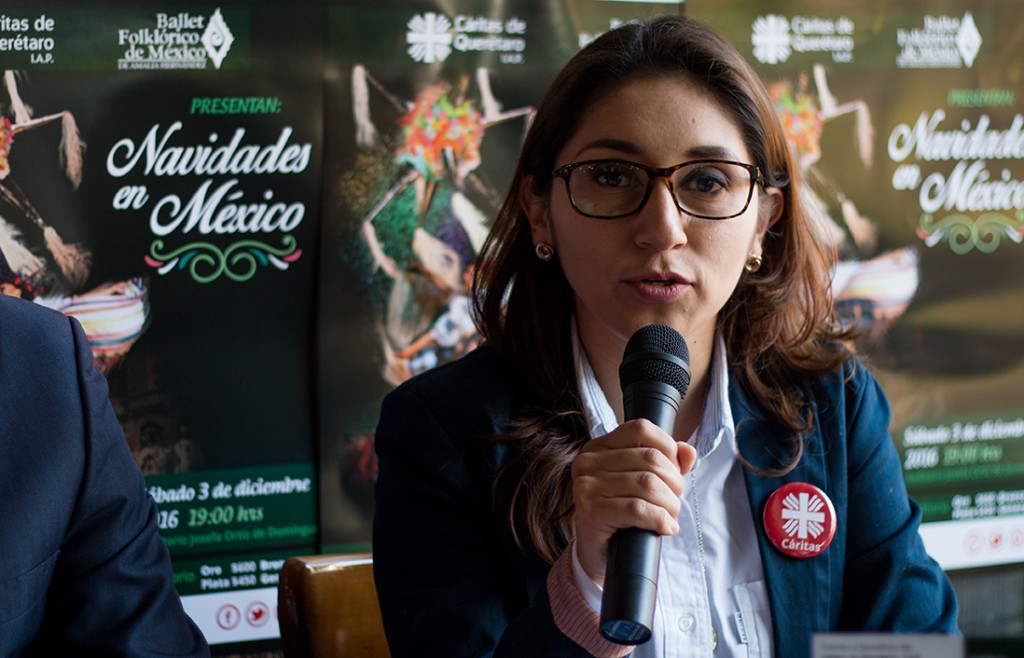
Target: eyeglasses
<point x="708" y="189"/>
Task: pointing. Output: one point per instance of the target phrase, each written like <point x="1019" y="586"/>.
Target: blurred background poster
<point x="426" y="107"/>
<point x="265" y="217"/>
<point x="905" y="120"/>
<point x="160" y="180"/>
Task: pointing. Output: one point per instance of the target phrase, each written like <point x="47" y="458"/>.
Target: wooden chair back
<point x="328" y="607"/>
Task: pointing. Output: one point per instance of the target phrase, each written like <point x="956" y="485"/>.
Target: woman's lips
<point x="657" y="288"/>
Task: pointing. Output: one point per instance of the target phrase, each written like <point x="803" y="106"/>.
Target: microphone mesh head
<point x="645" y="358"/>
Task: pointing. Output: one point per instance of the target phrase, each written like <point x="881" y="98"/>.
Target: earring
<point x="753" y="263"/>
<point x="544" y="251"/>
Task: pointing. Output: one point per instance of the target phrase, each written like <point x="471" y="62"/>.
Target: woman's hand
<point x="630" y="478"/>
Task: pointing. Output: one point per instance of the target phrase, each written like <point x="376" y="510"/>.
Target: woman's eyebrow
<point x="709" y="151"/>
<point x="610" y="143"/>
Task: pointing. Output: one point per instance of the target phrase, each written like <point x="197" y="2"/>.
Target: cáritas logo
<point x="799" y="520"/>
<point x="775" y="38"/>
<point x="431" y="37"/>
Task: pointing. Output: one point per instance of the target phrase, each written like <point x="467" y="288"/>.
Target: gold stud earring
<point x="544" y="251"/>
<point x="753" y="263"/>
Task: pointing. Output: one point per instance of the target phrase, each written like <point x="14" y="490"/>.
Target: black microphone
<point x="654" y="375"/>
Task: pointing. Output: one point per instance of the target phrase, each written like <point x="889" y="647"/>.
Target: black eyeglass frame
<point x="665" y="173"/>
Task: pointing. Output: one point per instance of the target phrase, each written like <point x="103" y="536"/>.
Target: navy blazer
<point x="83" y="571"/>
<point x="451" y="582"/>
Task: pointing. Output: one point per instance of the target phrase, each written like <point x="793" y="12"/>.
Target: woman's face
<point x="657" y="265"/>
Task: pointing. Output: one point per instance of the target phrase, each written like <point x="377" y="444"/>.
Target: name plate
<point x="886" y="645"/>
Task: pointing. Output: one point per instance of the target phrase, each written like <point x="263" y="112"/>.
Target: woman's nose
<point x="662" y="224"/>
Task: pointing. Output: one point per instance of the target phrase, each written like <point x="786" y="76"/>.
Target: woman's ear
<point x="770" y="210"/>
<point x="535" y="207"/>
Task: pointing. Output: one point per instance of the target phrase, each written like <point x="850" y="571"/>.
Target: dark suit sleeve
<point x="890" y="582"/>
<point x="448" y="582"/>
<point x="111" y="592"/>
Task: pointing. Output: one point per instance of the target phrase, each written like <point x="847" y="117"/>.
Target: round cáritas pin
<point x="799" y="520"/>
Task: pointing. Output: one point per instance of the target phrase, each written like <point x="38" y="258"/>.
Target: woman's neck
<point x="606" y="370"/>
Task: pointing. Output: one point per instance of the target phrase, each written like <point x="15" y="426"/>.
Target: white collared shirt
<point x="732" y="596"/>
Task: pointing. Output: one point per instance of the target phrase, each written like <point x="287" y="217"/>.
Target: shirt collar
<point x="596" y="410"/>
<point x="716" y="425"/>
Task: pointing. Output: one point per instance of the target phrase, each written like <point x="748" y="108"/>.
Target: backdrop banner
<point x="160" y="180"/>
<point x="266" y="217"/>
<point x="905" y="119"/>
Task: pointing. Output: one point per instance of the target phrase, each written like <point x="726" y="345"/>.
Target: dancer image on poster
<point x="415" y="191"/>
<point x="871" y="289"/>
<point x="38" y="265"/>
<point x="437" y="153"/>
<point x="452" y="334"/>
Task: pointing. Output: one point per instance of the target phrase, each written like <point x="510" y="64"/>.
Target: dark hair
<point x="778" y="325"/>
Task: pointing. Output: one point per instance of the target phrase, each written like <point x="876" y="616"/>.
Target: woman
<point x="503" y="476"/>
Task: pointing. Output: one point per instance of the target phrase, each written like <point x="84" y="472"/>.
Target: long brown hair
<point x="778" y="325"/>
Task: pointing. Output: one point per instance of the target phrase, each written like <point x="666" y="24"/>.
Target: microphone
<point x="654" y="375"/>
